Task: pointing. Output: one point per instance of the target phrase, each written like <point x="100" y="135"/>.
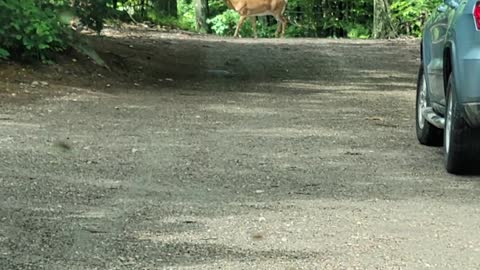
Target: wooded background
<point x="308" y="18"/>
<point x="36" y="28"/>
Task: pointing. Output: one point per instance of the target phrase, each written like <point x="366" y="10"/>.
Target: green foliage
<point x="4" y="53"/>
<point x="225" y="23"/>
<point x="409" y="15"/>
<point x="170" y="13"/>
<point x="186" y="15"/>
<point x="263" y="29"/>
<point x="92" y="13"/>
<point x="216" y="7"/>
<point x="358" y="31"/>
<point x="29" y="31"/>
<point x="34" y="29"/>
<point x="327" y="18"/>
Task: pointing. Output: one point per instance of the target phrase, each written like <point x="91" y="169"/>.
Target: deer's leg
<point x="253" y="19"/>
<point x="284" y="24"/>
<point x="279" y="26"/>
<point x="239" y="25"/>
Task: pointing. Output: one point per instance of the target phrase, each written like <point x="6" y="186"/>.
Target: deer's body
<point x="253" y="8"/>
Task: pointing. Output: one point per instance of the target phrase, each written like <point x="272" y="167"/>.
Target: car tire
<point x="427" y="133"/>
<point x="460" y="146"/>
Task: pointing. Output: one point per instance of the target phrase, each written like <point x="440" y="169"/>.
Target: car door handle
<point x="442" y="8"/>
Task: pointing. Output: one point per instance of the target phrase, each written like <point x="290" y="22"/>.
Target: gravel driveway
<point x="196" y="152"/>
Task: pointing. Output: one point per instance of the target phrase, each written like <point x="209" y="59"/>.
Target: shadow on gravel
<point x="198" y="59"/>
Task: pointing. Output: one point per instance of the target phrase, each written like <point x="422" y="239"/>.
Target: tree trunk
<point x="201" y="11"/>
<point x="382" y="22"/>
<point x="142" y="9"/>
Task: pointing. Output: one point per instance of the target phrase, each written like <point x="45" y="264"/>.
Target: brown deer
<point x="253" y="8"/>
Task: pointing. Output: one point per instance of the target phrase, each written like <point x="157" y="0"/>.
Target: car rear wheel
<point x="460" y="146"/>
<point x="427" y="133"/>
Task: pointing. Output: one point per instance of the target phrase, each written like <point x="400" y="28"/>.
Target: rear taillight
<point x="476" y="15"/>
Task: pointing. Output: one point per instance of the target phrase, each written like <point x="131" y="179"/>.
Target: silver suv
<point x="448" y="88"/>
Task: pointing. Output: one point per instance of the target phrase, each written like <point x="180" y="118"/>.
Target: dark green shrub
<point x="29" y="31"/>
<point x="409" y="15"/>
<point x="92" y="13"/>
<point x="225" y="23"/>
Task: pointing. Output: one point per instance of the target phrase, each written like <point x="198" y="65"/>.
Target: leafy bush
<point x="358" y="31"/>
<point x="264" y="29"/>
<point x="299" y="30"/>
<point x="186" y="12"/>
<point x="186" y="19"/>
<point x="33" y="29"/>
<point x="330" y="18"/>
<point x="92" y="13"/>
<point x="409" y="15"/>
<point x="4" y="53"/>
<point x="225" y="23"/>
<point x="29" y="31"/>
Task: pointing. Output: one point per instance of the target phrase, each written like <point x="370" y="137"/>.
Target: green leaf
<point x="4" y="53"/>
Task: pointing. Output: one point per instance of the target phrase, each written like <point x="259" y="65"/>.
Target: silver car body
<point x="451" y="43"/>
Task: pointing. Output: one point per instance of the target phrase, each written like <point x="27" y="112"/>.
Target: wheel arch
<point x="421" y="52"/>
<point x="447" y="66"/>
<point x="449" y="63"/>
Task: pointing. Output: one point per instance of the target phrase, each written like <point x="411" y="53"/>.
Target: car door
<point x="434" y="68"/>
